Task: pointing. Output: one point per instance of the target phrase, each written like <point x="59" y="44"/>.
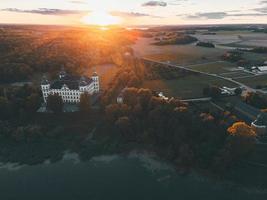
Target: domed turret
<point x="44" y="81"/>
<point x="62" y="73"/>
<point x="83" y="82"/>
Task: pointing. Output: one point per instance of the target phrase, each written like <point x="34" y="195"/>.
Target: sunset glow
<point x="100" y="18"/>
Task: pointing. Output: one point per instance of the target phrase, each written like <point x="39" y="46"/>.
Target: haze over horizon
<point x="138" y="12"/>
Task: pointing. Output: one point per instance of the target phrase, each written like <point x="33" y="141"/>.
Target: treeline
<point x="177" y="132"/>
<point x="179" y="38"/>
<point x="18" y="102"/>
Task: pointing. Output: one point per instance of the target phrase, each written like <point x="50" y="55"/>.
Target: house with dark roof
<point x="260" y="124"/>
<point x="70" y="87"/>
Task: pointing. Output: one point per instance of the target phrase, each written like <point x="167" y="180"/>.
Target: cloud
<point x="221" y="15"/>
<point x="131" y="14"/>
<point x="46" y="11"/>
<point x="208" y="15"/>
<point x="261" y="10"/>
<point x="154" y="3"/>
<point x="78" y="2"/>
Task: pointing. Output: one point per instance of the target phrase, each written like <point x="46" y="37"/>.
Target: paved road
<point x="197" y="100"/>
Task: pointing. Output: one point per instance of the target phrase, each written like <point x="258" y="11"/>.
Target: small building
<point x="260" y="124"/>
<point x="120" y="98"/>
<point x="162" y="96"/>
<point x="70" y="87"/>
<point x="227" y="91"/>
<point x="262" y="69"/>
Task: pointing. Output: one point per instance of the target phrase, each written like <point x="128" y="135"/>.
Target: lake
<point x="132" y="177"/>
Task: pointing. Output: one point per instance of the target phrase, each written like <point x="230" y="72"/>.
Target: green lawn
<point x="237" y="74"/>
<point x="214" y="67"/>
<point x="254" y="81"/>
<point x="187" y="87"/>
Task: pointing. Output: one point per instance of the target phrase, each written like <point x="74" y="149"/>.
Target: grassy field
<point x="237" y="74"/>
<point x="214" y="67"/>
<point x="187" y="87"/>
<point x="254" y="81"/>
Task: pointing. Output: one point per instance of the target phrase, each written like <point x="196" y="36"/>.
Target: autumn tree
<point x="55" y="103"/>
<point x="85" y="103"/>
<point x="240" y="141"/>
<point x="124" y="126"/>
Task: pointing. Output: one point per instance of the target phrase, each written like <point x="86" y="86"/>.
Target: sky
<point x="133" y="12"/>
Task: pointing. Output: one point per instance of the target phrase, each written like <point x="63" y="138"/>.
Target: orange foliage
<point x="241" y="129"/>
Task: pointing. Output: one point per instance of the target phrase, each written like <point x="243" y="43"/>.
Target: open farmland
<point x="180" y="54"/>
<point x="254" y="81"/>
<point x="214" y="67"/>
<point x="221" y="37"/>
<point x="186" y="87"/>
<point x="235" y="38"/>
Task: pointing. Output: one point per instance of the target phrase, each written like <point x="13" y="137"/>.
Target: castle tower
<point x="45" y="86"/>
<point x="95" y="78"/>
<point x="62" y="73"/>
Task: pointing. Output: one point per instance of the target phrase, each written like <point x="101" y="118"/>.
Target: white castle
<point x="69" y="87"/>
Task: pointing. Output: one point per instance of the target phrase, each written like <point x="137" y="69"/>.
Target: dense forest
<point x="26" y="51"/>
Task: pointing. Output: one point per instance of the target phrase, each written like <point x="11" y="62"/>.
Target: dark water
<point x="113" y="177"/>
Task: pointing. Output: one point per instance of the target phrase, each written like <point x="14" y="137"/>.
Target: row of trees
<point x="55" y="103"/>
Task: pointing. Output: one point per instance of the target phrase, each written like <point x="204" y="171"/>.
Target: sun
<point x="100" y="18"/>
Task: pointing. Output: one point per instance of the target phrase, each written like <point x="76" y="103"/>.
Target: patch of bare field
<point x="180" y="54"/>
<point x="255" y="43"/>
<point x="218" y="39"/>
<point x="236" y="38"/>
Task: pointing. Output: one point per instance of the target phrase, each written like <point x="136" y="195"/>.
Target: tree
<point x="85" y="102"/>
<point x="256" y="99"/>
<point x="33" y="102"/>
<point x="124" y="126"/>
<point x="238" y="91"/>
<point x="215" y="92"/>
<point x="130" y="96"/>
<point x="55" y="103"/>
<point x="212" y="91"/>
<point x="4" y="108"/>
<point x="144" y="97"/>
<point x="241" y="129"/>
<point x="241" y="139"/>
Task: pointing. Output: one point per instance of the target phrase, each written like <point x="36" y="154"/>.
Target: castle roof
<point x="72" y="82"/>
<point x="44" y="81"/>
